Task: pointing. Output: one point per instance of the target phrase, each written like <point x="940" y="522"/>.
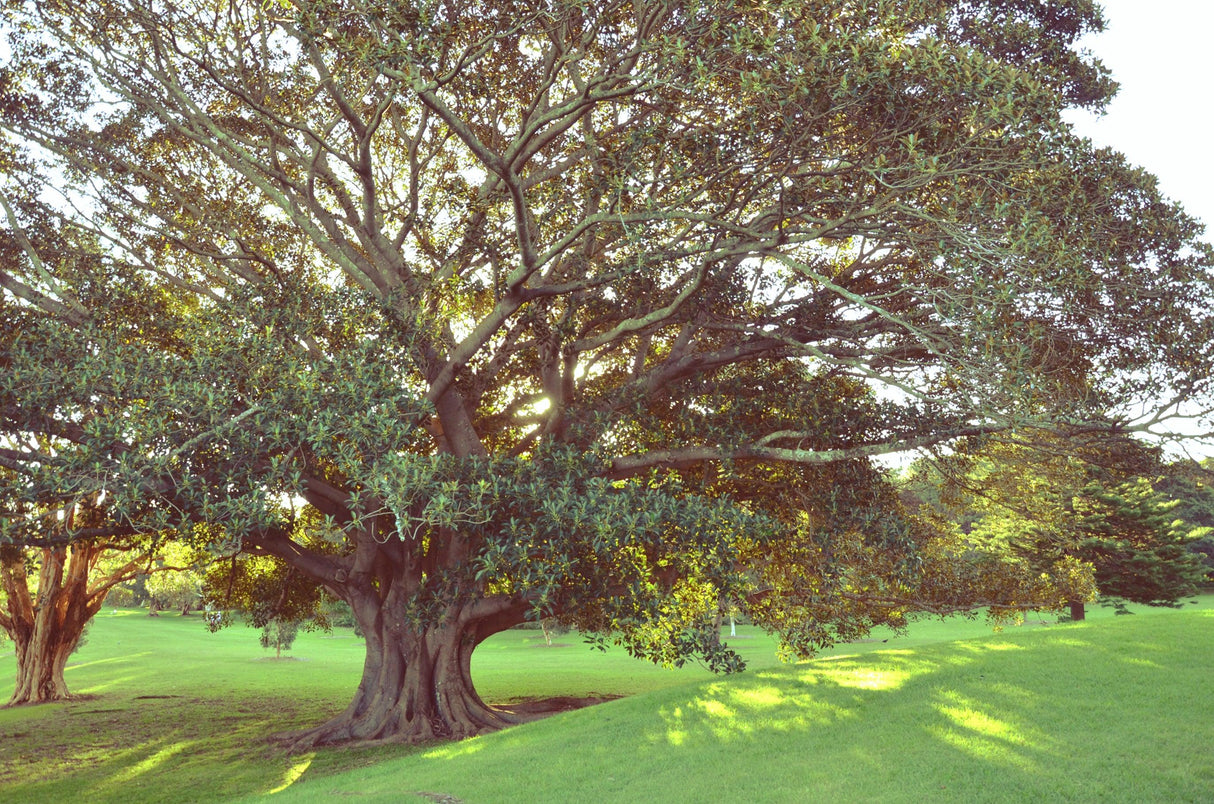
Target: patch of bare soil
<point x="537" y="708"/>
<point x="71" y="698"/>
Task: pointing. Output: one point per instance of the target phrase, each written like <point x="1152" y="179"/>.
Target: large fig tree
<point x="534" y="302"/>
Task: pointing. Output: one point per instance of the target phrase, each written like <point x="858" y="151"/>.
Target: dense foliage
<point x="594" y="311"/>
<point x="1104" y="503"/>
<point x="1188" y="483"/>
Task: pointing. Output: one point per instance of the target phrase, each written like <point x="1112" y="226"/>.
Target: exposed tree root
<point x="340" y="731"/>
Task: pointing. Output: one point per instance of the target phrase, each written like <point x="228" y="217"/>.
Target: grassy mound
<point x="1118" y="710"/>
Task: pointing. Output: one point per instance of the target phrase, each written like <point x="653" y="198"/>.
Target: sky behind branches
<point x="1162" y="55"/>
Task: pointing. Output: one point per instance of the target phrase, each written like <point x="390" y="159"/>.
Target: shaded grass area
<point x="172" y="712"/>
<point x="165" y="706"/>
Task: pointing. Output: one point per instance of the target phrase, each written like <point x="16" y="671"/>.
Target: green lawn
<point x="1116" y="709"/>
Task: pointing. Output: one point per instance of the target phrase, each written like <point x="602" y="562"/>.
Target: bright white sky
<point x="1161" y="54"/>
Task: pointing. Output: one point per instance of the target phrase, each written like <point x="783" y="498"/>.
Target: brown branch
<point x="629" y="465"/>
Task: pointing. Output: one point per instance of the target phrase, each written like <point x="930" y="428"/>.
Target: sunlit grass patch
<point x="300" y="766"/>
<point x="984" y="732"/>
<point x="865" y="677"/>
<point x="1068" y="713"/>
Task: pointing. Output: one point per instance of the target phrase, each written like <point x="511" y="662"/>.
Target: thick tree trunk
<point x="420" y="621"/>
<point x="1078" y="612"/>
<point x="417" y="680"/>
<point x="40" y="665"/>
<point x="47" y="625"/>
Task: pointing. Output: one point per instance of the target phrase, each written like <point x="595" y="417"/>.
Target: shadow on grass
<point x="1117" y="712"/>
<point x="100" y="750"/>
<point x="1080" y="716"/>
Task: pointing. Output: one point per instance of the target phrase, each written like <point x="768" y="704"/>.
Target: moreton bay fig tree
<point x="592" y="311"/>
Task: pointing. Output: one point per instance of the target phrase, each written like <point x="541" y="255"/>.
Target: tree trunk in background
<point x="40" y="664"/>
<point x="46" y="625"/>
<point x="1078" y="611"/>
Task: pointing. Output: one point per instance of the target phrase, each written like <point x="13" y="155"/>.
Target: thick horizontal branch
<point x="328" y="570"/>
<point x="628" y="465"/>
<point x="64" y="537"/>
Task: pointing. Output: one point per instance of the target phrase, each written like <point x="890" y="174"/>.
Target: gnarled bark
<point x="417" y="677"/>
<point x="417" y="673"/>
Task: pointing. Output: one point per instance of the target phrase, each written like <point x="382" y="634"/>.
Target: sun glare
<point x="294" y="772"/>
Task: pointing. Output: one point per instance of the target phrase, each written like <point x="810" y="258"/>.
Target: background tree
<point x="270" y="593"/>
<point x="1189" y="484"/>
<point x="484" y="282"/>
<point x="279" y="635"/>
<point x="49" y="595"/>
<point x="1139" y="548"/>
<point x="180" y="590"/>
<point x="1093" y="504"/>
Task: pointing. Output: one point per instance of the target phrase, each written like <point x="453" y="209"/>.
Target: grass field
<point x="1116" y="709"/>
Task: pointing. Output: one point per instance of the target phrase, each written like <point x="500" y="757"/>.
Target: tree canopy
<point x="536" y="302"/>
